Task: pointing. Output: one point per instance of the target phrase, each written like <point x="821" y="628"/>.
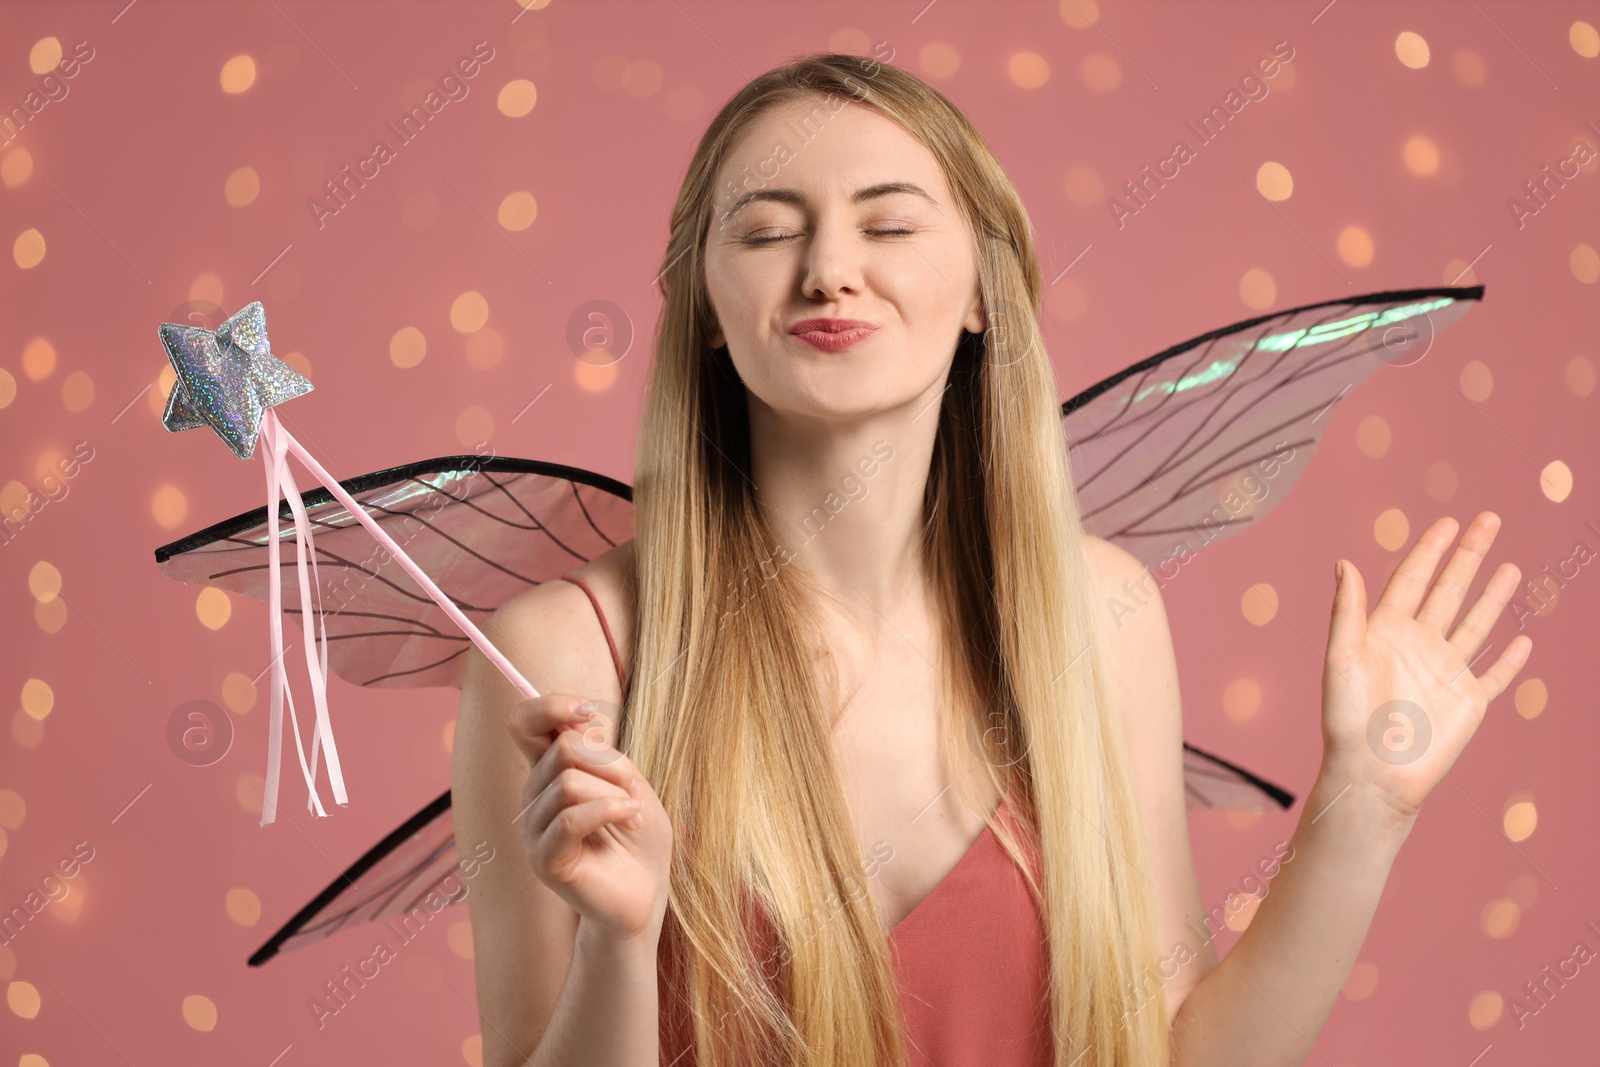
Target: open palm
<point x="1399" y="698"/>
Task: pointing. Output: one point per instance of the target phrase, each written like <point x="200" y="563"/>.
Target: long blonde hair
<point x="725" y="715"/>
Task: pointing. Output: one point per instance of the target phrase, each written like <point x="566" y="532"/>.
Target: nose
<point x="833" y="261"/>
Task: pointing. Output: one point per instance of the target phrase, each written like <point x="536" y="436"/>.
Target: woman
<point x="859" y="600"/>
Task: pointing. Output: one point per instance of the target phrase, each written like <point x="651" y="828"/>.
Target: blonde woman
<point x="877" y="786"/>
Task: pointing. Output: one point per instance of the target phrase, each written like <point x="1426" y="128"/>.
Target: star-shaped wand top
<point x="227" y="378"/>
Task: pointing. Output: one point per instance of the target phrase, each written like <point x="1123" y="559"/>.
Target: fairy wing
<point x="483" y="528"/>
<point x="1167" y="456"/>
<point x="1195" y="443"/>
<point x="416" y="871"/>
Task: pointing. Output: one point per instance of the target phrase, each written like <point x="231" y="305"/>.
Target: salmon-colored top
<point x="969" y="960"/>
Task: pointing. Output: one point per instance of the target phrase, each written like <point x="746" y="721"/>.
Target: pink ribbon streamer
<point x="277" y="445"/>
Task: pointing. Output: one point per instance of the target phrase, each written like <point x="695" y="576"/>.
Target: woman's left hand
<point x="1399" y="700"/>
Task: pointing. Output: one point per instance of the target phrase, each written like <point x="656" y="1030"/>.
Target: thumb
<point x="1347" y="629"/>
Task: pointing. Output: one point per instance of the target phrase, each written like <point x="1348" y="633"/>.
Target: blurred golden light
<point x="249" y="790"/>
<point x="1101" y="73"/>
<point x="244" y="907"/>
<point x="199" y="1012"/>
<point x="469" y="312"/>
<point x="450" y="736"/>
<point x="1079" y="14"/>
<point x="1274" y="181"/>
<point x="238" y="692"/>
<point x="1028" y="70"/>
<point x="849" y="39"/>
<point x="23" y="999"/>
<point x="8" y="388"/>
<point x="1241" y="700"/>
<point x="44" y="581"/>
<point x="1391" y="529"/>
<point x="593" y="377"/>
<point x="1355" y="246"/>
<point x="28" y="249"/>
<point x="518" y="210"/>
<point x="13" y="810"/>
<point x="50" y="617"/>
<point x="641" y="78"/>
<point x="1585" y="263"/>
<point x="168" y="506"/>
<point x="517" y="98"/>
<point x="459" y="937"/>
<point x="212" y="607"/>
<point x="407" y="347"/>
<point x="485" y="349"/>
<point x="1421" y="155"/>
<point x="1239" y="910"/>
<point x="26" y="730"/>
<point x="1259" y="604"/>
<point x="1485" y="1009"/>
<point x="1521" y="818"/>
<point x="37" y="699"/>
<point x="1362" y="983"/>
<point x="1477" y="381"/>
<point x="1412" y="50"/>
<point x="1580" y="377"/>
<point x="1373" y="436"/>
<point x="1257" y="289"/>
<point x="77" y="391"/>
<point x="207" y="287"/>
<point x="1555" y="481"/>
<point x="1531" y="698"/>
<point x="939" y="59"/>
<point x="473" y="425"/>
<point x="16" y="167"/>
<point x="1084" y="186"/>
<point x="45" y="55"/>
<point x="38" y="359"/>
<point x="238" y="74"/>
<point x="242" y="187"/>
<point x="1468" y="68"/>
<point x="1500" y="918"/>
<point x="1439" y="482"/>
<point x="1585" y="39"/>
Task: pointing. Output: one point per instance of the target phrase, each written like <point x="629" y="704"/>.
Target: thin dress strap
<point x="611" y="643"/>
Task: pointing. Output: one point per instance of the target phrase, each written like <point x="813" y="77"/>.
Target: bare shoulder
<point x="558" y="616"/>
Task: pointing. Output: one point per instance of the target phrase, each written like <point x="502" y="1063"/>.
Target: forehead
<point x="824" y="147"/>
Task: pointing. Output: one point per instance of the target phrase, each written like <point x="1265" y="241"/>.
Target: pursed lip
<point x="830" y="325"/>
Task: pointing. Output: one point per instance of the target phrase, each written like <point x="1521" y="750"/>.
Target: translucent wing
<point x="405" y="879"/>
<point x="1195" y="443"/>
<point x="483" y="528"/>
<point x="1179" y="450"/>
<point x="412" y="874"/>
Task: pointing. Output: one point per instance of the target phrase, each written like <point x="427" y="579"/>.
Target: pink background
<point x="126" y="188"/>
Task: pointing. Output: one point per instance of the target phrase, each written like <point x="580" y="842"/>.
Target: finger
<point x="1497" y="679"/>
<point x="1469" y="635"/>
<point x="1450" y="591"/>
<point x="579" y="749"/>
<point x="533" y="723"/>
<point x="1411" y="578"/>
<point x="567" y="830"/>
<point x="1347" y="628"/>
<point x="570" y="787"/>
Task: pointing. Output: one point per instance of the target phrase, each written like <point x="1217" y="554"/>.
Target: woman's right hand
<point x="607" y="859"/>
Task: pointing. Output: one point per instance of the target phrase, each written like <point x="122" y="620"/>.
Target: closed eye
<point x="884" y="232"/>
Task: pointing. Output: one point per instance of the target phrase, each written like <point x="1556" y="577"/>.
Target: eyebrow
<point x="860" y="196"/>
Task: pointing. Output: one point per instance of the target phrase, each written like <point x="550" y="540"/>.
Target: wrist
<point x="620" y="950"/>
<point x="1343" y="793"/>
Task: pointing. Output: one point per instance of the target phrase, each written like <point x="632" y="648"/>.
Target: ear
<point x="976" y="321"/>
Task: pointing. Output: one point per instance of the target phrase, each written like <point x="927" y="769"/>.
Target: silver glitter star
<point x="227" y="378"/>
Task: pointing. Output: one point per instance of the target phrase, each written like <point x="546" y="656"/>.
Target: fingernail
<point x="587" y="710"/>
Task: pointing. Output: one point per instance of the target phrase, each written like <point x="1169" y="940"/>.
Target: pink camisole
<point x="969" y="960"/>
